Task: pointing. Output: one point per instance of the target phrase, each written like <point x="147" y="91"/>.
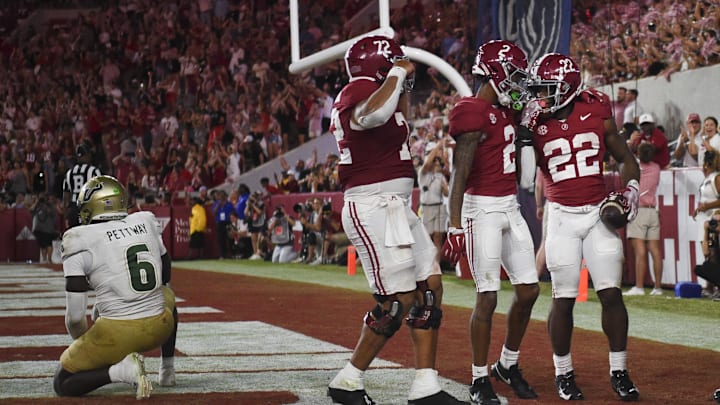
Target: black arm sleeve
<point x="524" y="136"/>
<point x="166" y="264"/>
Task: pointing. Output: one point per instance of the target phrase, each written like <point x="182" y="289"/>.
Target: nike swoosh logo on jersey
<point x="584" y="117"/>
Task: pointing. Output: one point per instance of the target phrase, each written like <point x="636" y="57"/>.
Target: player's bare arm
<point x="617" y="146"/>
<point x="381" y="105"/>
<point x="462" y="162"/>
<point x="76" y="288"/>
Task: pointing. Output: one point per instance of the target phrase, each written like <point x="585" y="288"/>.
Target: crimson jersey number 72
<point x="585" y="147"/>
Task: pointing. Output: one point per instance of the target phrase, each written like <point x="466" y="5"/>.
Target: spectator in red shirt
<point x="650" y="133"/>
<point x="269" y="188"/>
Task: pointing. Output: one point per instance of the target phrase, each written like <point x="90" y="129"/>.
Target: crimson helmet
<point x="558" y="77"/>
<point x="504" y="64"/>
<point x="372" y="57"/>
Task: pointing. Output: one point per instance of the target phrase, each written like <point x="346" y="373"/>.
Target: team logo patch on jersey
<point x="564" y="126"/>
<point x="493" y="119"/>
<point x="542" y="130"/>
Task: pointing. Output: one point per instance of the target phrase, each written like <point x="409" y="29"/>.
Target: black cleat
<point x="441" y="398"/>
<point x="623" y="386"/>
<point x="513" y="377"/>
<point x="357" y="397"/>
<point x="482" y="393"/>
<point x="566" y="387"/>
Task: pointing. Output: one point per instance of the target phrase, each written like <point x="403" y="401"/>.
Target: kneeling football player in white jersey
<point x="122" y="258"/>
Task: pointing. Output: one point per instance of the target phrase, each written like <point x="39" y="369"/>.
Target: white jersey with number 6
<point x="122" y="262"/>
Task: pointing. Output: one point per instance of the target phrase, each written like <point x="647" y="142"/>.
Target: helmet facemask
<point x="512" y="91"/>
<point x="551" y="95"/>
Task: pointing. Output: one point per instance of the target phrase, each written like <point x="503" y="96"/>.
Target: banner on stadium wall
<point x="538" y="27"/>
<point x="7" y="236"/>
<point x="181" y="231"/>
<point x="26" y="247"/>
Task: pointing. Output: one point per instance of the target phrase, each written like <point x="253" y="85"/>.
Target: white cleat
<point x="135" y="367"/>
<point x="166" y="377"/>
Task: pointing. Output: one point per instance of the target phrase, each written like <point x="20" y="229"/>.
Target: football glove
<point x="454" y="245"/>
<point x="530" y="115"/>
<point x="632" y="195"/>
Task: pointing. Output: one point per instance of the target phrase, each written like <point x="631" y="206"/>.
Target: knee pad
<point x="427" y="315"/>
<point x="385" y="322"/>
<point x="61" y="375"/>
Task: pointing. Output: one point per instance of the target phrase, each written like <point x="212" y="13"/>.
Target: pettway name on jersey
<point x="124" y="232"/>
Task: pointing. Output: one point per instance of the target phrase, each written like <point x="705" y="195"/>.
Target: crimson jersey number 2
<point x="346" y="155"/>
<point x="585" y="147"/>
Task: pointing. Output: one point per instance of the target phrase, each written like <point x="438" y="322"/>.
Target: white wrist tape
<point x="633" y="184"/>
<point x="528" y="167"/>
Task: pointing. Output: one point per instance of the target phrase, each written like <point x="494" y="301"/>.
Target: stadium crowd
<point x="178" y="96"/>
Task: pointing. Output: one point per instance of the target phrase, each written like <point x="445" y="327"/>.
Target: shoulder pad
<point x="465" y="116"/>
<point x="148" y="218"/>
<point x="591" y="96"/>
<point x="72" y="242"/>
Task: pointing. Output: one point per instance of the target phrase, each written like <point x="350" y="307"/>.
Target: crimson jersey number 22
<point x="584" y="147"/>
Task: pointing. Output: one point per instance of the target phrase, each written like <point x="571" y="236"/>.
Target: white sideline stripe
<point x="61" y="312"/>
<point x="201" y="338"/>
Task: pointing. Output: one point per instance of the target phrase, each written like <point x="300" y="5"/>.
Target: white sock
<point x="508" y="358"/>
<point x="563" y="364"/>
<point x="618" y="361"/>
<point x="350" y="378"/>
<point x="117" y="372"/>
<point x="479" y="371"/>
<point x="425" y="384"/>
<point x="168" y="362"/>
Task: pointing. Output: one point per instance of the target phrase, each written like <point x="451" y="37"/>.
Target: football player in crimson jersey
<point x="397" y="255"/>
<point x="122" y="258"/>
<point x="571" y="129"/>
<point x="484" y="210"/>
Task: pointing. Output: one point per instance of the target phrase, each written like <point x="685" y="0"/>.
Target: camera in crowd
<point x="710" y="268"/>
<point x="327" y="207"/>
<point x="301" y="208"/>
<point x="278" y="213"/>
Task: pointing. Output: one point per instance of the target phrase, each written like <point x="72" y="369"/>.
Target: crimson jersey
<point x="372" y="155"/>
<point x="493" y="169"/>
<point x="571" y="151"/>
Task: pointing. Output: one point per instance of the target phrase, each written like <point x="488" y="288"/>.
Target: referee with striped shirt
<point x="75" y="178"/>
